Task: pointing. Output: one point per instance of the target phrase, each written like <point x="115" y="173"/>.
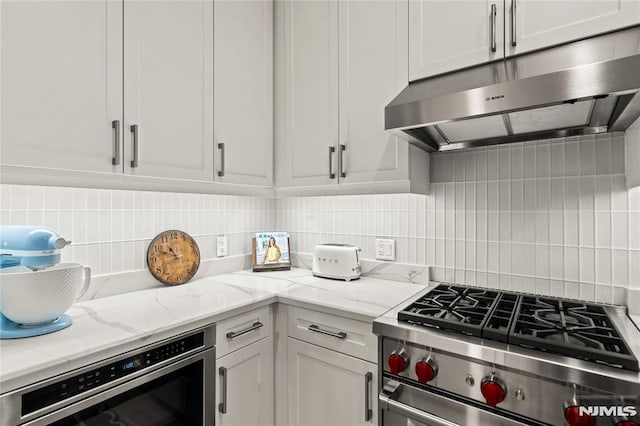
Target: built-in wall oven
<point x="167" y="383"/>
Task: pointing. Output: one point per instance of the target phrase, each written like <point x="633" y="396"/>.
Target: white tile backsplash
<point x="552" y="217"/>
<point x="110" y="229"/>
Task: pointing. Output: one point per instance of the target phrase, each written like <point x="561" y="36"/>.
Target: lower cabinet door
<point x="330" y="388"/>
<point x="244" y="386"/>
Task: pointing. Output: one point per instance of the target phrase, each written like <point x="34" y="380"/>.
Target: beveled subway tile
<point x="517" y="161"/>
<point x="557" y="159"/>
<point x="587" y="156"/>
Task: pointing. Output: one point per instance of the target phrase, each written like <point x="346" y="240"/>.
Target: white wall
<point x="550" y="217"/>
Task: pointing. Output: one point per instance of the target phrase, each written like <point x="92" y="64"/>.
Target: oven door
<point x="181" y="393"/>
<point x="404" y="405"/>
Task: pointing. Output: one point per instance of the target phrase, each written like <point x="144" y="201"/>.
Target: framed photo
<point x="271" y="251"/>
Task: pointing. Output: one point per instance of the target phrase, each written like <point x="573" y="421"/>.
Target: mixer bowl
<point x="36" y="297"/>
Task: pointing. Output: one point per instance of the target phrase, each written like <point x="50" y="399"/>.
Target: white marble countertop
<point x="109" y="326"/>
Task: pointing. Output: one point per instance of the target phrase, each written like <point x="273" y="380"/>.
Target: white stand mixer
<point x="35" y="288"/>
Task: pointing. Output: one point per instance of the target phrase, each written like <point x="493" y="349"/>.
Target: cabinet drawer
<point x="340" y="334"/>
<point x="241" y="330"/>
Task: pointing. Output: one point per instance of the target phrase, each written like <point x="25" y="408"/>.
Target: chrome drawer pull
<point x="222" y="406"/>
<point x="134" y="131"/>
<point x="513" y="24"/>
<point x="332" y="149"/>
<point x="368" y="412"/>
<point x="493" y="27"/>
<point x="340" y="335"/>
<point x="115" y="125"/>
<point x="233" y="334"/>
<point x="221" y="148"/>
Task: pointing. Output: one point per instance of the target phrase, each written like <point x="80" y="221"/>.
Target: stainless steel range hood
<point x="585" y="87"/>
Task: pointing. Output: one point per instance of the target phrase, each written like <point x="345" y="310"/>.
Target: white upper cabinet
<point x="342" y="62"/>
<point x="60" y="84"/>
<point x="535" y="24"/>
<point x="168" y="88"/>
<point x="446" y="35"/>
<point x="373" y="70"/>
<point x="310" y="92"/>
<point x="244" y="91"/>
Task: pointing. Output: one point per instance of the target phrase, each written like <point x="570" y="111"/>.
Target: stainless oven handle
<point x="414" y="413"/>
<point x="233" y="334"/>
<point x="340" y="335"/>
<point x="208" y="356"/>
<point x="222" y="406"/>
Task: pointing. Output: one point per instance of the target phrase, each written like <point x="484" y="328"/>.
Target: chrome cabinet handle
<point x="134" y="161"/>
<point x="233" y="334"/>
<point x="340" y="335"/>
<point x="222" y="406"/>
<point x="513" y="23"/>
<point x="493" y="27"/>
<point x="221" y="148"/>
<point x="368" y="412"/>
<point x="332" y="149"/>
<point x="343" y="173"/>
<point x="115" y="125"/>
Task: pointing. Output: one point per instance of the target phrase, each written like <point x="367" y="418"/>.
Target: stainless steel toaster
<point x="337" y="261"/>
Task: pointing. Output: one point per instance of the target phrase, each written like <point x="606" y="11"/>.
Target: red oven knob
<point x="398" y="361"/>
<point x="426" y="370"/>
<point x="573" y="417"/>
<point x="493" y="389"/>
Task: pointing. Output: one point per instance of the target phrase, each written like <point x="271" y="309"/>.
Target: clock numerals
<point x="173" y="257"/>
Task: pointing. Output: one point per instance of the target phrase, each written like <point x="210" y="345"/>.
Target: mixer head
<point x="32" y="246"/>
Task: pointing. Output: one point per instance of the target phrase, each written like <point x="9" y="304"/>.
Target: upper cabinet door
<point x="60" y="84"/>
<point x="311" y="92"/>
<point x="535" y="24"/>
<point x="168" y="86"/>
<point x="373" y="69"/>
<point x="447" y="35"/>
<point x="244" y="91"/>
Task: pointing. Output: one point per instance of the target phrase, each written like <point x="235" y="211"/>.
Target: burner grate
<point x="575" y="329"/>
<point x="455" y="308"/>
<point x="566" y="327"/>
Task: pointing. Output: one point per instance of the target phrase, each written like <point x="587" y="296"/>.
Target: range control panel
<point x="108" y="372"/>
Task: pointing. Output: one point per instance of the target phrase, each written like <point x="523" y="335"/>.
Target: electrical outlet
<point x="221" y="246"/>
<point x="385" y="249"/>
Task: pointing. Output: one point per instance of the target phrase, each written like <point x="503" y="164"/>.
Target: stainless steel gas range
<point x="461" y="355"/>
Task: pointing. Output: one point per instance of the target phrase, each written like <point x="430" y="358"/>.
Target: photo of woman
<point x="272" y="253"/>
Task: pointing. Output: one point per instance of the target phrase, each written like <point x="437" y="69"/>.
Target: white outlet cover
<point x="385" y="249"/>
<point x="221" y="246"/>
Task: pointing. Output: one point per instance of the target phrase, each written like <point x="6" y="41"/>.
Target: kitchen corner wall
<point x="111" y="229"/>
<point x="551" y="217"/>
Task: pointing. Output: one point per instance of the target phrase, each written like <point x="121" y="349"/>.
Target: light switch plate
<point x="385" y="249"/>
<point x="221" y="246"/>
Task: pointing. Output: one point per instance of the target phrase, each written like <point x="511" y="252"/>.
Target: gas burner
<point x="449" y="307"/>
<point x="571" y="328"/>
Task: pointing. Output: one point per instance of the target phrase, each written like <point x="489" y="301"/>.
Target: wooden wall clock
<point x="173" y="257"/>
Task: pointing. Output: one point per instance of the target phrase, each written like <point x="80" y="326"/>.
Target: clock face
<point x="173" y="257"/>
